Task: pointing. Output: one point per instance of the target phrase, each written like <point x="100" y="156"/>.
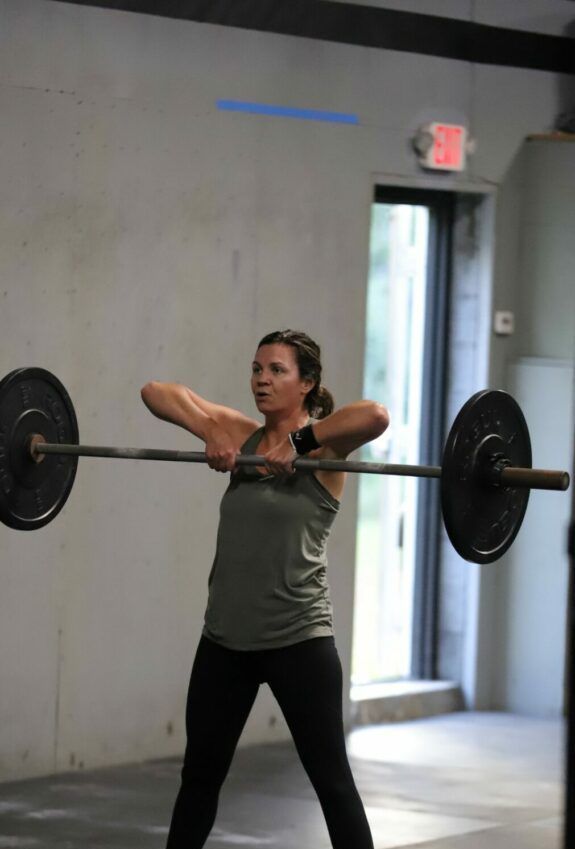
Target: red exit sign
<point x="444" y="148"/>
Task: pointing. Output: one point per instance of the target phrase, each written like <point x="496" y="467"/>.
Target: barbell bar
<point x="508" y="476"/>
<point x="486" y="473"/>
<point x="302" y="463"/>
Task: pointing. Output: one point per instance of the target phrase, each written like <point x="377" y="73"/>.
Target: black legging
<point x="306" y="680"/>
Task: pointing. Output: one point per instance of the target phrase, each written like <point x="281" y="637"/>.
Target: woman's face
<point x="276" y="382"/>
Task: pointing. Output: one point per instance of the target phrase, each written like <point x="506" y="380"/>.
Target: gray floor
<point x="463" y="781"/>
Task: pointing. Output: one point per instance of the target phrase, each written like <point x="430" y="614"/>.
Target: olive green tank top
<point x="268" y="585"/>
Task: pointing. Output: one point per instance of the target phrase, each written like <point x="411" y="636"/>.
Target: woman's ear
<point x="308" y="385"/>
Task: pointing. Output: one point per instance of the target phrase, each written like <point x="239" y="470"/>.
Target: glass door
<point x="404" y="357"/>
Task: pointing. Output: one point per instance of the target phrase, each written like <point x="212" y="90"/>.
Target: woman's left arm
<point x="350" y="427"/>
<point x="338" y="435"/>
<point x="342" y="432"/>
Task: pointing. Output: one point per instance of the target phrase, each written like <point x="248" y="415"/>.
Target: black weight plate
<point x="32" y="400"/>
<point x="482" y="520"/>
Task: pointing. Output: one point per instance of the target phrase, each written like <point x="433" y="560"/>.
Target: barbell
<point x="486" y="473"/>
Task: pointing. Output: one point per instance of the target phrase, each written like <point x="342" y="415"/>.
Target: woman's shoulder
<point x="251" y="438"/>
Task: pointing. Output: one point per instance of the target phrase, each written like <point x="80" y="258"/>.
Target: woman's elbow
<point x="150" y="391"/>
<point x="147" y="389"/>
<point x="379" y="419"/>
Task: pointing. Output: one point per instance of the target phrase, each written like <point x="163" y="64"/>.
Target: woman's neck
<point x="277" y="428"/>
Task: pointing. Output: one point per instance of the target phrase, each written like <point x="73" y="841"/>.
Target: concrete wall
<point x="532" y="583"/>
<point x="147" y="235"/>
<point x="491" y="618"/>
<point x="525" y="598"/>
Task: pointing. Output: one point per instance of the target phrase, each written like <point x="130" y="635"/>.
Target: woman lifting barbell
<point x="269" y="614"/>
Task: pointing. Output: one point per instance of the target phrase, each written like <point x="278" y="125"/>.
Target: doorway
<point x="404" y="368"/>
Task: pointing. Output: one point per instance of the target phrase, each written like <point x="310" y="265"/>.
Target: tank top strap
<point x="252" y="441"/>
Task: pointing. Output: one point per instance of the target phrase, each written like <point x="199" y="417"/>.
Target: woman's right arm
<point x="223" y="429"/>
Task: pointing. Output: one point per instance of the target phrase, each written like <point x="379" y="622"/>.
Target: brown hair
<point x="319" y="401"/>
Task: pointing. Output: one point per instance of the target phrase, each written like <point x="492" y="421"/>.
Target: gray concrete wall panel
<point x="148" y="235"/>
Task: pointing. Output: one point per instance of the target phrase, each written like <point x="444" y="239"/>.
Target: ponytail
<point x="319" y="402"/>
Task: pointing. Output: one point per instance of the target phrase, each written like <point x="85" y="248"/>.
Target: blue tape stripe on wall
<point x="288" y="112"/>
